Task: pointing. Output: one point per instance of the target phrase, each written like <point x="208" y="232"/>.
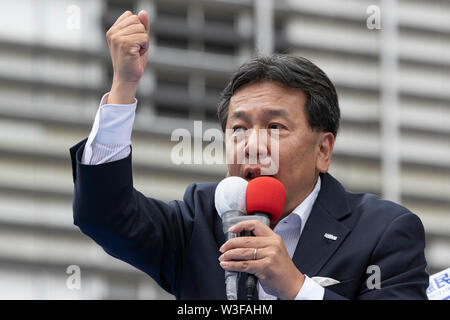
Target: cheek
<point x="287" y="168"/>
<point x="295" y="160"/>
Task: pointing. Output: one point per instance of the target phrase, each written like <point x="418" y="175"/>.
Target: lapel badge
<point x="330" y="236"/>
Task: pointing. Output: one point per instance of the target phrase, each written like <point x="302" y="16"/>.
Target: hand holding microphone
<point x="272" y="264"/>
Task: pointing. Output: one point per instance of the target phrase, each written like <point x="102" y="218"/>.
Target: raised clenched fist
<point x="128" y="43"/>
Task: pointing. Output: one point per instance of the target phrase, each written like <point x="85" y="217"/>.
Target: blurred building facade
<point x="394" y="90"/>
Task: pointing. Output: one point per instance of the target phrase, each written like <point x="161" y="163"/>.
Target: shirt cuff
<point x="310" y="290"/>
<point x="112" y="126"/>
<point x="115" y="123"/>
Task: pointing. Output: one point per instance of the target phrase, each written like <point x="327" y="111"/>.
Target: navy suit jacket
<point x="177" y="243"/>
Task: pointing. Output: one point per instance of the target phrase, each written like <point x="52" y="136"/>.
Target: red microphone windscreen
<point x="266" y="194"/>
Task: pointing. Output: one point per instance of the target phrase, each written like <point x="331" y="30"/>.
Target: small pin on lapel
<point x="330" y="236"/>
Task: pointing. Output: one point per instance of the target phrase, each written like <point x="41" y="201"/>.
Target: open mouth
<point x="252" y="173"/>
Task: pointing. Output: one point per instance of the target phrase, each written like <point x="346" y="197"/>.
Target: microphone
<point x="264" y="199"/>
<point x="229" y="201"/>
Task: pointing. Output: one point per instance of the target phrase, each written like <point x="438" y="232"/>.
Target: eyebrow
<point x="277" y="113"/>
<point x="240" y="115"/>
<point x="269" y="113"/>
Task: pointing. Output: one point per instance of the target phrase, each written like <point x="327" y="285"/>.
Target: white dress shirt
<point x="110" y="140"/>
<point x="290" y="229"/>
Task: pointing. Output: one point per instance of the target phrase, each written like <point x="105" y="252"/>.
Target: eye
<point x="276" y="126"/>
<point x="238" y="128"/>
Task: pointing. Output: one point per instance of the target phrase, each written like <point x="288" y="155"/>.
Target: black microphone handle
<point x="250" y="283"/>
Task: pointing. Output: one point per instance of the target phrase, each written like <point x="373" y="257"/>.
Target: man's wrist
<point x="122" y="92"/>
<point x="310" y="290"/>
<point x="297" y="286"/>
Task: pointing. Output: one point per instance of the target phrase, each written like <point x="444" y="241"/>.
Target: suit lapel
<point x="314" y="248"/>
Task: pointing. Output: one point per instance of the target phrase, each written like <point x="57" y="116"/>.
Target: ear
<point x="325" y="144"/>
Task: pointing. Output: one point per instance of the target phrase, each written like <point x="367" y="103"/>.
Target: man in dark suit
<point x="329" y="243"/>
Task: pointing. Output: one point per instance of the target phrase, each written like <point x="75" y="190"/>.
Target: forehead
<point x="267" y="95"/>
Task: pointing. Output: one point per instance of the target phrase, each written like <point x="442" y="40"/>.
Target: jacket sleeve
<point x="146" y="233"/>
<point x="399" y="258"/>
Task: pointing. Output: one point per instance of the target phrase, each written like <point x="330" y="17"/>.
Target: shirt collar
<point x="303" y="210"/>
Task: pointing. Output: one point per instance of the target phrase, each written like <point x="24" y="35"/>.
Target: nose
<point x="256" y="146"/>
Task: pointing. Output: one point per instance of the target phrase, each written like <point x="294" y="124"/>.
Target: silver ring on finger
<point x="254" y="253"/>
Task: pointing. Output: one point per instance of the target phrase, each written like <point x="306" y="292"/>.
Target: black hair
<point x="322" y="106"/>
